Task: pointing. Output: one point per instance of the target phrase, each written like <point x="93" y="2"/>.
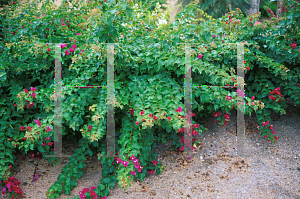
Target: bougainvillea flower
<point x="132" y="157"/>
<point x="125" y="164"/>
<point x="140" y="169"/>
<point x="154" y="162"/>
<point x="256" y="23"/>
<point x="135" y="161"/>
<point x="133" y="173"/>
<point x="38" y="121"/>
<point x="150" y="172"/>
<point x="63" y="45"/>
<point x="118" y="160"/>
<point x="22" y="128"/>
<point x="67" y="52"/>
<point x="240" y="93"/>
<point x="137" y="165"/>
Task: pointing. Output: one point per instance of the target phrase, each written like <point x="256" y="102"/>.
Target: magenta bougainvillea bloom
<point x="22" y="128"/>
<point x="38" y="122"/>
<point x="67" y="52"/>
<point x="63" y="45"/>
<point x="293" y="45"/>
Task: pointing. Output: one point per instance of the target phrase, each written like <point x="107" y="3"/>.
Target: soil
<point x="215" y="171"/>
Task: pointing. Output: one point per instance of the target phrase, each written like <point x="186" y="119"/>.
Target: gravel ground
<point x="215" y="171"/>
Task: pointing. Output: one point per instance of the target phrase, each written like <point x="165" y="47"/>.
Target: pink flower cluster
<point x="293" y="45"/>
<point x="178" y="110"/>
<point x="35" y="178"/>
<point x="188" y="142"/>
<point x="194" y="132"/>
<point x="226" y="116"/>
<point x="71" y="50"/>
<point x="136" y="164"/>
<point x="33" y="96"/>
<point x="13" y="186"/>
<point x="275" y="91"/>
<point x="256" y="23"/>
<point x="32" y="155"/>
<point x="271" y="127"/>
<point x="38" y="123"/>
<point x="92" y="193"/>
<point x="271" y="12"/>
<point x="200" y="56"/>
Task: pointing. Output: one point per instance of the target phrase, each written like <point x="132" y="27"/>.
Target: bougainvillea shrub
<point x="149" y="65"/>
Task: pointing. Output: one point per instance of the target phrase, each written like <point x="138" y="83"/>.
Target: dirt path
<point x="267" y="171"/>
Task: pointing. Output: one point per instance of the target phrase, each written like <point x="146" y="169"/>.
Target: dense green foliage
<point x="268" y="3"/>
<point x="149" y="80"/>
<point x="218" y="8"/>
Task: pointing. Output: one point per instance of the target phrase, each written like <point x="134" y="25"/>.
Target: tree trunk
<point x="254" y="7"/>
<point x="278" y="11"/>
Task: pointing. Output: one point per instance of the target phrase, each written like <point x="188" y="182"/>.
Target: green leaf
<point x="148" y="59"/>
<point x="90" y="153"/>
<point x="8" y="153"/>
<point x="111" y="184"/>
<point x="106" y="180"/>
<point x="2" y="73"/>
<point x="101" y="187"/>
<point x="106" y="191"/>
<point x="73" y="184"/>
<point x="267" y="112"/>
<point x="128" y="10"/>
<point x="216" y="106"/>
<point x="169" y="129"/>
<point x="176" y="126"/>
<point x="142" y="176"/>
<point x="2" y="162"/>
